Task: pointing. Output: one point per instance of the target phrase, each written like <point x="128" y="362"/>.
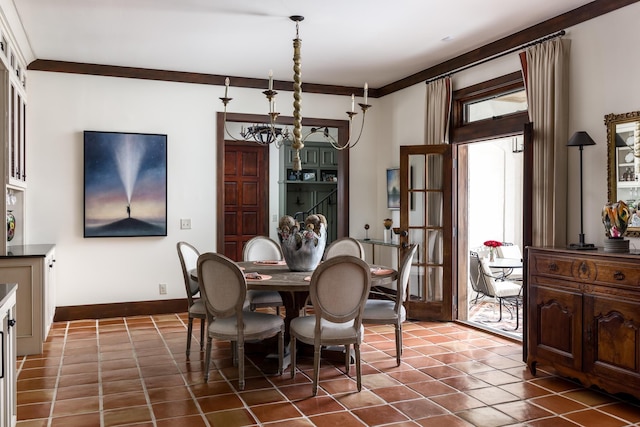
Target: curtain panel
<point x="545" y="70"/>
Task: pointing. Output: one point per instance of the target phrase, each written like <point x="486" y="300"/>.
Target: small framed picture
<point x="393" y="188"/>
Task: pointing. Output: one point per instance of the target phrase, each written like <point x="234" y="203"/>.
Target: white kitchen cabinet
<point x="32" y="267"/>
<point x="8" y="408"/>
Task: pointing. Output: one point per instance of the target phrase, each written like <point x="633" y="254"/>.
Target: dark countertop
<point x="28" y="251"/>
<point x="6" y="289"/>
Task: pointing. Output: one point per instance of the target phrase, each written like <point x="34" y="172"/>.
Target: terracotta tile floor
<point x="134" y="371"/>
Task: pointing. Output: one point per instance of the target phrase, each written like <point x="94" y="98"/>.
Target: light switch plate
<point x="185" y="224"/>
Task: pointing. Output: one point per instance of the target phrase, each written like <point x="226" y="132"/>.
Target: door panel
<point x="245" y="180"/>
<point x="425" y="219"/>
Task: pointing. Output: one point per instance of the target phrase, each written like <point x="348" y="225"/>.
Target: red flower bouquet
<point x="492" y="245"/>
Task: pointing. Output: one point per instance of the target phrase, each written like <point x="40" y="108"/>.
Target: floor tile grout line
<point x="140" y="376"/>
<point x="100" y="386"/>
<point x="61" y="364"/>
<point x="184" y="379"/>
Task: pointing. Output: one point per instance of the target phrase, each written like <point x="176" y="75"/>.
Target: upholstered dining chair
<point x="344" y="246"/>
<point x="224" y="288"/>
<point x="385" y="311"/>
<point x="262" y="248"/>
<point x="338" y="289"/>
<point x="505" y="291"/>
<point x="188" y="256"/>
<point x="510" y="250"/>
<point x="475" y="272"/>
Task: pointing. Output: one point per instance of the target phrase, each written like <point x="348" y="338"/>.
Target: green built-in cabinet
<point x="318" y="178"/>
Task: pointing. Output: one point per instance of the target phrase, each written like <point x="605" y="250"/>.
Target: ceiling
<point x="344" y="43"/>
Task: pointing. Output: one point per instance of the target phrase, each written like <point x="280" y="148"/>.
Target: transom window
<point x="495" y="106"/>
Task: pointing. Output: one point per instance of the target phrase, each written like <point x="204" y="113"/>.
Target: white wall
<point x="92" y="271"/>
<point x="105" y="270"/>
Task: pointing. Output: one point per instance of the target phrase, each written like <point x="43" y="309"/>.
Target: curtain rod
<point x="499" y="55"/>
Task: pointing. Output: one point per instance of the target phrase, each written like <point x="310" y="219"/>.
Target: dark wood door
<point x="426" y="219"/>
<point x="246" y="195"/>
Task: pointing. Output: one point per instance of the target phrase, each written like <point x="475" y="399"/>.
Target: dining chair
<point x="384" y="311"/>
<point x="188" y="256"/>
<point x="262" y="248"/>
<point x="344" y="246"/>
<point x="224" y="288"/>
<point x="477" y="282"/>
<point x="507" y="292"/>
<point x="338" y="289"/>
<point x="510" y="250"/>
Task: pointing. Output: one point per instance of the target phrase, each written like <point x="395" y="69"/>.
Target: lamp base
<point x="582" y="246"/>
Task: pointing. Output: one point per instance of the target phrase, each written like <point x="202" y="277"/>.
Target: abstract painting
<point x="125" y="184"/>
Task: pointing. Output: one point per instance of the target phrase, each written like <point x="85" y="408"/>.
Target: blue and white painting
<point x="125" y="184"/>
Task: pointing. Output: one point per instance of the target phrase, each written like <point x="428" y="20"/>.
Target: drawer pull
<point x="618" y="275"/>
<point x="553" y="266"/>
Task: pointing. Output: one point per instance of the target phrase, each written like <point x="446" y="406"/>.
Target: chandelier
<point x="269" y="133"/>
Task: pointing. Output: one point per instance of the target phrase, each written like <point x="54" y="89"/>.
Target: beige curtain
<point x="545" y="68"/>
<point x="438" y="109"/>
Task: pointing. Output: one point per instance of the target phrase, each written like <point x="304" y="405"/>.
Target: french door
<point x="426" y="219"/>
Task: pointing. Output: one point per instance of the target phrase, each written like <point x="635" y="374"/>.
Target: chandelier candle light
<point x="268" y="133"/>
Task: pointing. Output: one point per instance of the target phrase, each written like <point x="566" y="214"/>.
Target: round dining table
<point x="293" y="287"/>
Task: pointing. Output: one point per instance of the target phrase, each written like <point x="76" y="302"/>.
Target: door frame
<point x="343" y="164"/>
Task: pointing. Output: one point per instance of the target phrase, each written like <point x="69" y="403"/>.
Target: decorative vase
<point x="303" y="247"/>
<point x="492" y="254"/>
<point x="11" y="226"/>
<point x="615" y="217"/>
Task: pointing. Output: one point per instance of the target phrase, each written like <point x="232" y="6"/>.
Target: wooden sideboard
<point x="584" y="316"/>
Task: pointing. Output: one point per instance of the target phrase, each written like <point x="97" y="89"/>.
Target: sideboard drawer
<point x="553" y="266"/>
<point x="618" y="274"/>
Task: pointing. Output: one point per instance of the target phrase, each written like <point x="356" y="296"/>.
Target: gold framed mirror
<point x="623" y="164"/>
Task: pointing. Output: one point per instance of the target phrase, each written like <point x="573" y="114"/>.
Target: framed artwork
<point x="393" y="188"/>
<point x="125" y="184"/>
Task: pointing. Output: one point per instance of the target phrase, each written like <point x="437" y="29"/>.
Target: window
<point x="495" y="107"/>
<point x="510" y="102"/>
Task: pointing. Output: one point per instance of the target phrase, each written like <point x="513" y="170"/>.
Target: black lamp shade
<point x="580" y="139"/>
<point x="619" y="141"/>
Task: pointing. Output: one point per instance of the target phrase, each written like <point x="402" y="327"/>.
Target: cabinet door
<point x="299" y="199"/>
<point x="8" y="378"/>
<point x="308" y="157"/>
<point x="49" y="290"/>
<point x="612" y="339"/>
<point x="555" y="329"/>
<point x="328" y="157"/>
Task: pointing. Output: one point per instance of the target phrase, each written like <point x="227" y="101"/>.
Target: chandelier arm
<point x="349" y="144"/>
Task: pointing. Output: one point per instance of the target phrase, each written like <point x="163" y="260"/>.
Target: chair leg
<point x="356" y="346"/>
<point x="347" y="358"/>
<point x="202" y="325"/>
<point x="189" y="332"/>
<point x="207" y="360"/>
<point x="292" y="353"/>
<point x="240" y="345"/>
<point x="280" y="350"/>
<point x="398" y="343"/>
<point x="234" y="352"/>
<point x="316" y="368"/>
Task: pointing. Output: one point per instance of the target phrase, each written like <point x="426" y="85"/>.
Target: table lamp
<point x="580" y="139"/>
